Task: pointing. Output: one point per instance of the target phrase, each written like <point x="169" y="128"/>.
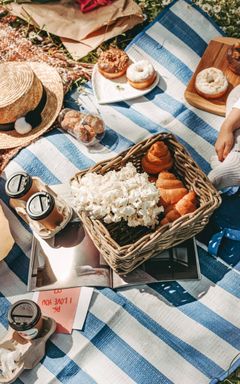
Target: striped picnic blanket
<point x="178" y="332"/>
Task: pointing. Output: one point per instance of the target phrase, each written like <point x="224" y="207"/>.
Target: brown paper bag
<point x="81" y="49"/>
<point x="81" y="32"/>
<point x="6" y="239"/>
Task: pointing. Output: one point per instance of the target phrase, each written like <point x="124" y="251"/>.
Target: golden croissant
<point x="187" y="204"/>
<point x="171" y="189"/>
<point x="157" y="159"/>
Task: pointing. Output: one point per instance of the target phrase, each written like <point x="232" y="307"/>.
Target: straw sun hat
<point x="31" y="96"/>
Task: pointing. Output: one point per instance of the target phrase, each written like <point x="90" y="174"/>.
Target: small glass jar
<point x="25" y="318"/>
<point x="89" y="128"/>
<point x="21" y="186"/>
<point x="42" y="207"/>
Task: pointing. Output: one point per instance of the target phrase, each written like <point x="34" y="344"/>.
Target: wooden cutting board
<point x="214" y="56"/>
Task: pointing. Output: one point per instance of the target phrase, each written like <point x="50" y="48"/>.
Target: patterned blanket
<point x="177" y="332"/>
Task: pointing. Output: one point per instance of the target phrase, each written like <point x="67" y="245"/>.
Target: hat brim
<point x="54" y="88"/>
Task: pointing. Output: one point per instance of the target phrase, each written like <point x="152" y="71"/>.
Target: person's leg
<point x="227" y="173"/>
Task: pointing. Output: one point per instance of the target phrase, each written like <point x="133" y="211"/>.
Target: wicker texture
<point x="125" y="248"/>
<point x="21" y="91"/>
<point x="28" y="93"/>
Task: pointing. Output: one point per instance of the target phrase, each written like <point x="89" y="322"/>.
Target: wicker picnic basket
<point x="125" y="248"/>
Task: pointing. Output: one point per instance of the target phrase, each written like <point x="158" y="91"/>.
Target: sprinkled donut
<point x="211" y="83"/>
<point x="141" y="74"/>
<point x="113" y="63"/>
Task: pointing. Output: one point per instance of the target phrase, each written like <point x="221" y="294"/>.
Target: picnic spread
<point x="115" y="184"/>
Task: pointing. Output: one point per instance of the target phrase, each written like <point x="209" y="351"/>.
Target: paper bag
<point x="81" y="32"/>
<point x="81" y="49"/>
<point x="6" y="239"/>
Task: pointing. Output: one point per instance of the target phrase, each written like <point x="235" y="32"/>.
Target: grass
<point x="226" y="13"/>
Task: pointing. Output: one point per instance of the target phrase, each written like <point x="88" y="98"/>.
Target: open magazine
<point x="70" y="259"/>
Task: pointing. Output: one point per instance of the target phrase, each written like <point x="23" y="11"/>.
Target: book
<point x="70" y="259"/>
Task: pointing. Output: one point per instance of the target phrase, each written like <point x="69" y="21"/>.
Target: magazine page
<point x="68" y="260"/>
<point x="177" y="263"/>
<point x="144" y="274"/>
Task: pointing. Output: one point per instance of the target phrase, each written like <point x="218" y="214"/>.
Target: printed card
<point x="68" y="307"/>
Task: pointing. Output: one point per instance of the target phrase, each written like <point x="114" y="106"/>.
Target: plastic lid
<point x="40" y="205"/>
<point x="24" y="315"/>
<point x="18" y="185"/>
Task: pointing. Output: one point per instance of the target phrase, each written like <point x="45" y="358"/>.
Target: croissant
<point x="171" y="189"/>
<point x="187" y="204"/>
<point x="157" y="159"/>
<point x="170" y="216"/>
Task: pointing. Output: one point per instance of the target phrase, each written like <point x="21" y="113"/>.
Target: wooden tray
<point x="214" y="56"/>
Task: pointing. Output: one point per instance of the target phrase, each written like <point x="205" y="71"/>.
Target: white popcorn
<point x="119" y="195"/>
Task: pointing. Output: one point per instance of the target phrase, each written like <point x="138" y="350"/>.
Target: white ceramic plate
<point x="112" y="91"/>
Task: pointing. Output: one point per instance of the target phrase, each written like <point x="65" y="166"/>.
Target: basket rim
<point x="128" y="152"/>
<point x="148" y="238"/>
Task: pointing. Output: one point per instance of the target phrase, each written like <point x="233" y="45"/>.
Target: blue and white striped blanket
<point x="178" y="332"/>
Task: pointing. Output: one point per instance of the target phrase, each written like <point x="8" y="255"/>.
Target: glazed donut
<point x="141" y="74"/>
<point x="211" y="83"/>
<point x="113" y="63"/>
